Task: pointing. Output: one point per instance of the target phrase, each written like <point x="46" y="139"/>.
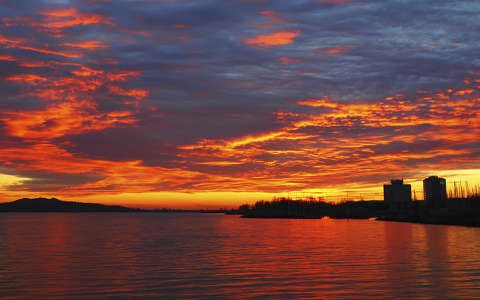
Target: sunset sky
<point x="215" y="103"/>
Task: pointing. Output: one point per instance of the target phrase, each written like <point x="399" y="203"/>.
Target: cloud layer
<point x="201" y="96"/>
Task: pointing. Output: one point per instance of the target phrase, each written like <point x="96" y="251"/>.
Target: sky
<point x="215" y="103"/>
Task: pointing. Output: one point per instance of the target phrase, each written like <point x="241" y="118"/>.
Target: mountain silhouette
<point x="55" y="205"/>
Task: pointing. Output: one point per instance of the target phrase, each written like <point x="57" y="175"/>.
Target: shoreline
<point x="474" y="223"/>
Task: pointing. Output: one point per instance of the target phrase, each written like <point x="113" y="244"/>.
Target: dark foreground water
<point x="165" y="256"/>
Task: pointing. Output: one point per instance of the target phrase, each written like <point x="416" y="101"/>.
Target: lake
<point x="188" y="255"/>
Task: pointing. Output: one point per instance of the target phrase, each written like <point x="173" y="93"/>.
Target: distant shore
<point x="462" y="212"/>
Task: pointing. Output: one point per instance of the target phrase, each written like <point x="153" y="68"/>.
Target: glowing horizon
<point x="183" y="104"/>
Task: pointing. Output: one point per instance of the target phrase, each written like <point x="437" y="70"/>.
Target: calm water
<point x="81" y="256"/>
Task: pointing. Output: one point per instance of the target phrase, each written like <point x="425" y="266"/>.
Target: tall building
<point x="435" y="191"/>
<point x="397" y="195"/>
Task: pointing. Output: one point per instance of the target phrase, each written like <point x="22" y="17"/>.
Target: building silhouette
<point x="397" y="195"/>
<point x="435" y="191"/>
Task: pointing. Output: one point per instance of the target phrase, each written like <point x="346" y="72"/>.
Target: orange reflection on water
<point x="213" y="255"/>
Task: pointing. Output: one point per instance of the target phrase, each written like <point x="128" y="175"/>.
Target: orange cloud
<point x="88" y="45"/>
<point x="7" y="58"/>
<point x="464" y="92"/>
<point x="53" y="22"/>
<point x="51" y="52"/>
<point x="27" y="78"/>
<point x="289" y="60"/>
<point x="138" y="94"/>
<point x="68" y="17"/>
<point x="14" y="42"/>
<point x="61" y="119"/>
<point x="33" y="64"/>
<point x="16" y="21"/>
<point x="86" y="72"/>
<point x="272" y="15"/>
<point x="275" y="39"/>
<point x="122" y="76"/>
<point x="324" y="102"/>
<point x="11" y="41"/>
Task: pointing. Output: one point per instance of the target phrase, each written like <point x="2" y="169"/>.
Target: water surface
<point x="170" y="255"/>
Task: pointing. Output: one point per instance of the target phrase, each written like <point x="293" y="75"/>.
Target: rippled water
<point x="147" y="255"/>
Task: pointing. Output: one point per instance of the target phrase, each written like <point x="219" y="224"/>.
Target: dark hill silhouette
<point x="55" y="205"/>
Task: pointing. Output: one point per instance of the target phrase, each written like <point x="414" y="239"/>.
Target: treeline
<point x="464" y="190"/>
<point x="288" y="208"/>
<point x="469" y="204"/>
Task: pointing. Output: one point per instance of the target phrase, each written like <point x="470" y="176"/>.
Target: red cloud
<point x="11" y="41"/>
<point x="51" y="52"/>
<point x="32" y="79"/>
<point x="52" y="22"/>
<point x="335" y="50"/>
<point x="88" y="45"/>
<point x="181" y="26"/>
<point x="7" y="58"/>
<point x="272" y="15"/>
<point x="69" y="17"/>
<point x="275" y="39"/>
<point x="138" y="94"/>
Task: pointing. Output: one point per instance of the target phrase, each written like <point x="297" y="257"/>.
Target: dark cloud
<point x="121" y="144"/>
